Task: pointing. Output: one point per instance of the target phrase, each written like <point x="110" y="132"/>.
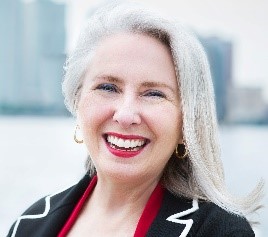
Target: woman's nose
<point x="127" y="114"/>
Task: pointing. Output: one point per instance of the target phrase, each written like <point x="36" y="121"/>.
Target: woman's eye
<point x="155" y="93"/>
<point x="107" y="87"/>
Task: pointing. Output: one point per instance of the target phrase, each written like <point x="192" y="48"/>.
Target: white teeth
<point x="109" y="138"/>
<point x="120" y="142"/>
<point x="132" y="143"/>
<point x="126" y="143"/>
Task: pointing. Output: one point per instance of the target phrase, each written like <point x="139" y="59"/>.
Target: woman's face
<point x="129" y="109"/>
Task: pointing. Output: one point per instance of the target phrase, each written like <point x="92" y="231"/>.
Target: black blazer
<point x="177" y="217"/>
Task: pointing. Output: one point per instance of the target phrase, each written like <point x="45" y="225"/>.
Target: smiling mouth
<point x="125" y="144"/>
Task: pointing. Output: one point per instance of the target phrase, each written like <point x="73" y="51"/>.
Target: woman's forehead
<point x="135" y="51"/>
<point x="137" y="42"/>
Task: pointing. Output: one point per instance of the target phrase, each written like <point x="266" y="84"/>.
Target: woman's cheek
<point x="94" y="112"/>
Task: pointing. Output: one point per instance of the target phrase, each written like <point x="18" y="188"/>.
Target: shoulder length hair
<point x="201" y="174"/>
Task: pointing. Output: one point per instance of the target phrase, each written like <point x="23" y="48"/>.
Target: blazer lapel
<point x="176" y="218"/>
<point x="47" y="216"/>
<point x="172" y="219"/>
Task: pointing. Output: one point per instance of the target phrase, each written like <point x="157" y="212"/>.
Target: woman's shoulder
<point x="42" y="206"/>
<point x="200" y="218"/>
<point x="213" y="219"/>
<point x="56" y="206"/>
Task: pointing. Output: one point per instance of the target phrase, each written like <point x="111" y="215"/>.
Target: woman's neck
<point x="112" y="195"/>
<point x="113" y="207"/>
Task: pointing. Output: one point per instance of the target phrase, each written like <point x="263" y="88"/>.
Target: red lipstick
<point x="121" y="152"/>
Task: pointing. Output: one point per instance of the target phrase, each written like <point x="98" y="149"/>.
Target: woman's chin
<point x="121" y="174"/>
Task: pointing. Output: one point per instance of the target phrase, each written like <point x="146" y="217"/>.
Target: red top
<point x="148" y="215"/>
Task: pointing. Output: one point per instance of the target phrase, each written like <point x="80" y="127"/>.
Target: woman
<point x="141" y="90"/>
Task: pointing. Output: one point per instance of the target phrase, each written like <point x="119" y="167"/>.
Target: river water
<point x="38" y="157"/>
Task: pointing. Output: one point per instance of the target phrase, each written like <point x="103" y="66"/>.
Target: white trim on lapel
<point x="188" y="223"/>
<point x="37" y="216"/>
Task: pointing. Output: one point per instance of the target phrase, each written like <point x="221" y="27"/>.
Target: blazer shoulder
<point x="51" y="206"/>
<point x="41" y="204"/>
<point x="212" y="220"/>
<point x="62" y="197"/>
<point x="38" y="209"/>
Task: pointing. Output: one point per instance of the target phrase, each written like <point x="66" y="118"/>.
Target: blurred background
<point x="37" y="153"/>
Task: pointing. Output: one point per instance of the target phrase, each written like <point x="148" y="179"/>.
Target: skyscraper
<point x="31" y="56"/>
<point x="10" y="14"/>
<point x="220" y="58"/>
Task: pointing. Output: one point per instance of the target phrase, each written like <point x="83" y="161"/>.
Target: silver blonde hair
<point x="201" y="174"/>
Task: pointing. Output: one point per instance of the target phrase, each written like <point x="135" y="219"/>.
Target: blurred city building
<point x="220" y="54"/>
<point x="234" y="104"/>
<point x="32" y="54"/>
<point x="246" y="105"/>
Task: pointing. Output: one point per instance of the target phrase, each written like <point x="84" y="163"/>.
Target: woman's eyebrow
<point x="109" y="78"/>
<point x="151" y="84"/>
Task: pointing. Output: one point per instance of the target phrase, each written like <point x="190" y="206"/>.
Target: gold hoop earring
<point x="75" y="138"/>
<point x="184" y="154"/>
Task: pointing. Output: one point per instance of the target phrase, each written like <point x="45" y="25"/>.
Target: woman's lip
<point x="126" y="136"/>
<point x="124" y="153"/>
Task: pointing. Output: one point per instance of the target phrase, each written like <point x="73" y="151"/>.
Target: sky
<point x="245" y="23"/>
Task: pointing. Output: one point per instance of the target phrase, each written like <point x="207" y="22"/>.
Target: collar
<point x="174" y="217"/>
